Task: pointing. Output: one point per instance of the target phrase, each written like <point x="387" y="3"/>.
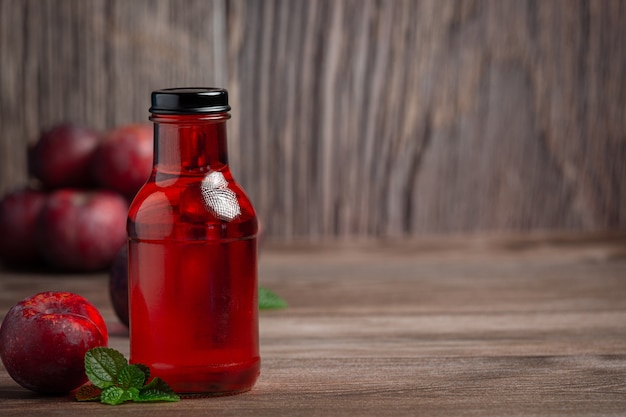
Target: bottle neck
<point x="190" y="144"/>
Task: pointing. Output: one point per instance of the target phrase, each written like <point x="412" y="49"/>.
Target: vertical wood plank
<point x="12" y="119"/>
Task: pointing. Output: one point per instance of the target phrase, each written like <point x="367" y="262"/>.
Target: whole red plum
<point x="118" y="285"/>
<point x="18" y="212"/>
<point x="62" y="156"/>
<point x="123" y="161"/>
<point x="82" y="230"/>
<point x="44" y="338"/>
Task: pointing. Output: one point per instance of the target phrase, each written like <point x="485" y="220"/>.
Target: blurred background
<point x="353" y="118"/>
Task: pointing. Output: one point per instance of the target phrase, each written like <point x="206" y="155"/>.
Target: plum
<point x="80" y="230"/>
<point x="118" y="285"/>
<point x="18" y="212"/>
<point x="44" y="338"/>
<point x="123" y="161"/>
<point x="62" y="156"/>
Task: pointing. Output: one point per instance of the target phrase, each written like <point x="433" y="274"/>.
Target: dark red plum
<point x="82" y="230"/>
<point x="123" y="161"/>
<point x="118" y="285"/>
<point x="44" y="338"/>
<point x="18" y="212"/>
<point x="62" y="157"/>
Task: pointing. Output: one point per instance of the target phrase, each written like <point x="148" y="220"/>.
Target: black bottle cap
<point x="189" y="100"/>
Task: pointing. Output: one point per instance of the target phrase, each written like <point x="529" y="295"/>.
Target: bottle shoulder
<point x="178" y="206"/>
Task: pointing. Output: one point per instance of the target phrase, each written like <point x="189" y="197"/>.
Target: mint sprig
<point x="103" y="365"/>
<point x="114" y="380"/>
<point x="268" y="300"/>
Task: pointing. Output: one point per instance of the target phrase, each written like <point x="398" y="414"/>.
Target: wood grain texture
<point x="354" y="118"/>
<point x="486" y="326"/>
<point x="405" y="117"/>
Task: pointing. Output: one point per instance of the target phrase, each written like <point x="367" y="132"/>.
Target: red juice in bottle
<point x="193" y="254"/>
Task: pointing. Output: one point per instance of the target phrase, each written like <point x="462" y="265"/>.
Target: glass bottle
<point x="193" y="253"/>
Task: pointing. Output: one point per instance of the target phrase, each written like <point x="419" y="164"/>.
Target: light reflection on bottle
<point x="220" y="200"/>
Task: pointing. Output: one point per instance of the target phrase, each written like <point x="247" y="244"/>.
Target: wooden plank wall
<point x="353" y="118"/>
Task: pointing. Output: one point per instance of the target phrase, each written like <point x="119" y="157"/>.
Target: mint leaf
<point x="113" y="395"/>
<point x="88" y="392"/>
<point x="157" y="390"/>
<point x="131" y="376"/>
<point x="269" y="300"/>
<point x="114" y="381"/>
<point x="116" y="395"/>
<point x="132" y="393"/>
<point x="103" y="366"/>
<point x="145" y="370"/>
<point x="156" y="395"/>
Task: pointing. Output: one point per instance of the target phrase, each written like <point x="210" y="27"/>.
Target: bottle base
<point x="195" y="382"/>
<point x="196" y="395"/>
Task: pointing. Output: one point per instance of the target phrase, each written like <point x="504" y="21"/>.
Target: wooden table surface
<point x="486" y="326"/>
